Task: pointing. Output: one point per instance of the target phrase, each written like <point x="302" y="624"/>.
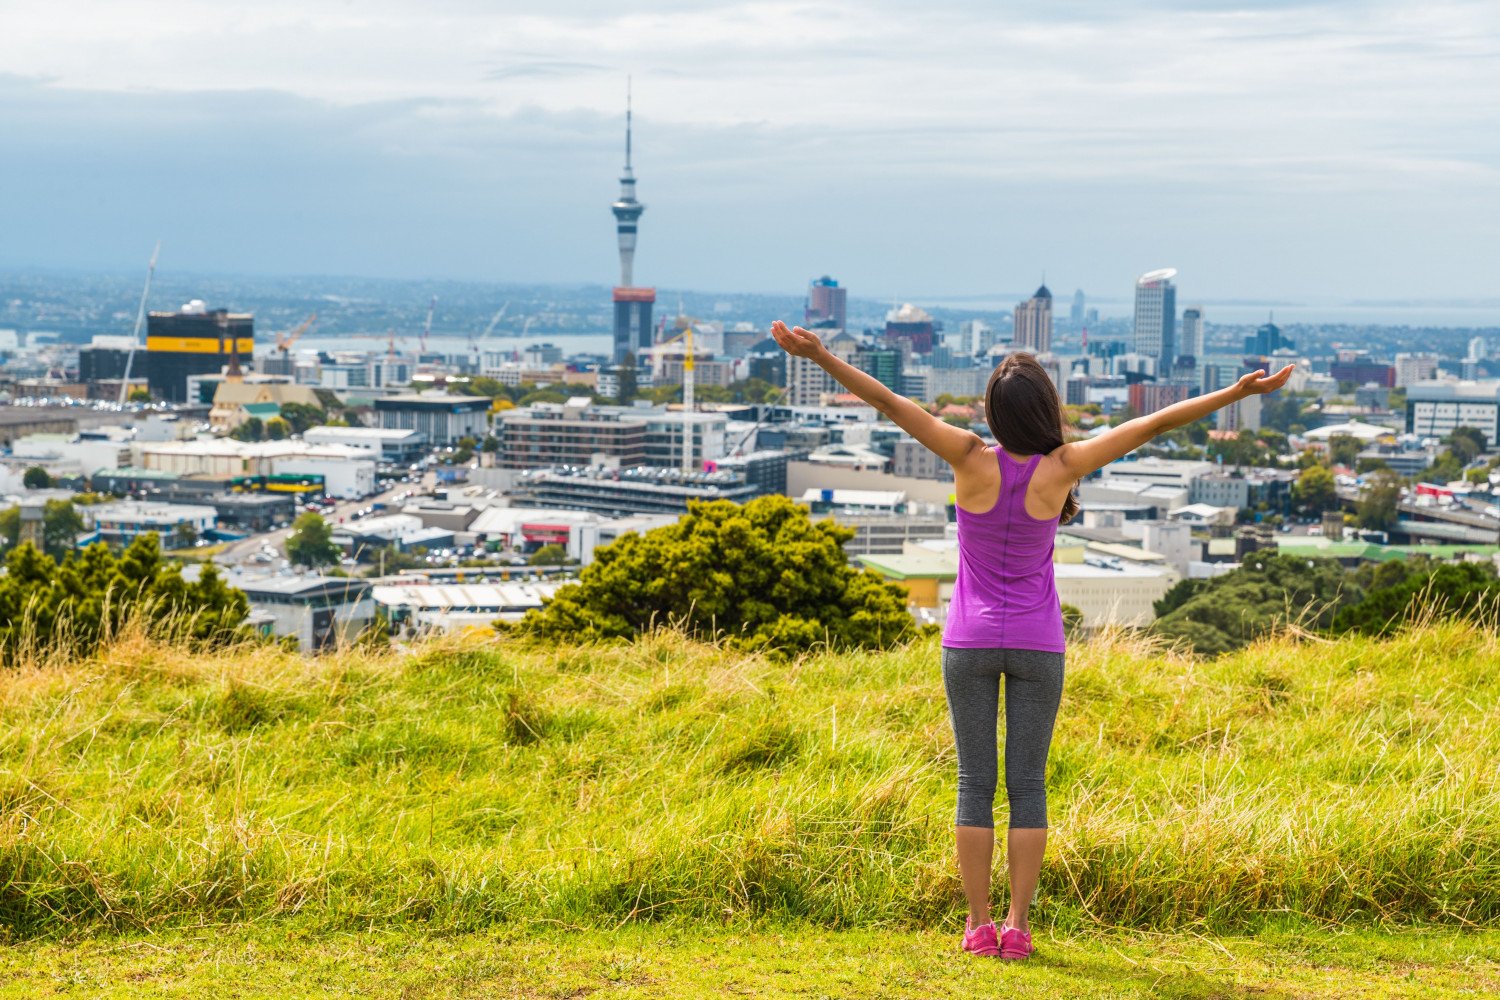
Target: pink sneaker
<point x="980" y="940"/>
<point x="1015" y="944"/>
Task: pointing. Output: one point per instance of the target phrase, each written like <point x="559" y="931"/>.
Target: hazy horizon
<point x="1273" y="152"/>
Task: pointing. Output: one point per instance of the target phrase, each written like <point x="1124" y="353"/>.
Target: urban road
<point x="1472" y="519"/>
<point x="240" y="552"/>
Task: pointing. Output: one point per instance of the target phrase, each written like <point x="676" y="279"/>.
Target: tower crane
<point x="427" y="327"/>
<point x="686" y="336"/>
<point x="284" y="342"/>
<point x="475" y="342"/>
<point x="140" y="318"/>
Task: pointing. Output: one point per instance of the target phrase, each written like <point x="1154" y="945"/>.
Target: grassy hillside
<point x="471" y="784"/>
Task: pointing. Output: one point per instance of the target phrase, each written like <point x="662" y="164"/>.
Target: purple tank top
<point x="1005" y="596"/>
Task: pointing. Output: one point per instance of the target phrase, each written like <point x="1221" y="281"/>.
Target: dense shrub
<point x="54" y="609"/>
<point x="762" y="575"/>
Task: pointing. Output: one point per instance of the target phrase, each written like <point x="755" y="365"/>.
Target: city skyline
<point x="891" y="150"/>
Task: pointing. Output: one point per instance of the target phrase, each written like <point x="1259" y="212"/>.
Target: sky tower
<point x="627" y="210"/>
<point x="632" y="305"/>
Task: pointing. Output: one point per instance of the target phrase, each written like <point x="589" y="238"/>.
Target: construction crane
<point x="474" y="343"/>
<point x="284" y="341"/>
<point x="390" y="344"/>
<point x="739" y="448"/>
<point x="140" y="319"/>
<point x="427" y="327"/>
<point x="686" y="336"/>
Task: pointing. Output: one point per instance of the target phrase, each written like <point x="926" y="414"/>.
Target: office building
<point x="1156" y="317"/>
<point x="318" y="611"/>
<point x="573" y="433"/>
<point x="1357" y="367"/>
<point x="1240" y="415"/>
<point x="763" y="469"/>
<point x="1437" y="408"/>
<point x="195" y="340"/>
<point x="632" y="305"/>
<point x="388" y="446"/>
<point x="1192" y="332"/>
<point x="1415" y="367"/>
<point x="617" y="492"/>
<point x="1267" y="340"/>
<point x="104" y="359"/>
<point x="807" y="383"/>
<point x="1033" y="323"/>
<point x="884" y="363"/>
<point x="1148" y="397"/>
<point x="177" y="524"/>
<point x="346" y="473"/>
<point x="910" y="328"/>
<point x="911" y="458"/>
<point x="827" y="304"/>
<point x="1076" y="313"/>
<point x="444" y="419"/>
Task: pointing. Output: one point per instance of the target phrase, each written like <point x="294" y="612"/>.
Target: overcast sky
<point x="1274" y="150"/>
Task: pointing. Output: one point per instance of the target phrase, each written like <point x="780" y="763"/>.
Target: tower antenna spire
<point x="628" y="82"/>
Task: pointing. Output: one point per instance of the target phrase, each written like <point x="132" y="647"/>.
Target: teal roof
<point x="262" y="410"/>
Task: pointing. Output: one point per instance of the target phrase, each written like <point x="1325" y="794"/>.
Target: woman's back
<point x="1005" y="595"/>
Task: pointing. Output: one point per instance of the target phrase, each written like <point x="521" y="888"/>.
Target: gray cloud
<point x="1266" y="149"/>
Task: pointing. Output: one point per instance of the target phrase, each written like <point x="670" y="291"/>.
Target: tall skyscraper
<point x="911" y="328"/>
<point x="1076" y="314"/>
<point x="1266" y="340"/>
<point x="632" y="305"/>
<point x="1192" y="331"/>
<point x="1033" y="330"/>
<point x="1156" y="317"/>
<point x="194" y="341"/>
<point x="827" y="304"/>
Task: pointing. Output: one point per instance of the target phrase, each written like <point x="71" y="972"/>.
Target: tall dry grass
<point x="474" y="781"/>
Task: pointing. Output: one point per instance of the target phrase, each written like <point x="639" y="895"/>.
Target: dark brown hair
<point x="1024" y="413"/>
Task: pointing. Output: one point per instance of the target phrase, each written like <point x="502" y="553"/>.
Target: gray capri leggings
<point x="1033" y="689"/>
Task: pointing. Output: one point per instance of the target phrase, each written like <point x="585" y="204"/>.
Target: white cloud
<point x="1246" y="104"/>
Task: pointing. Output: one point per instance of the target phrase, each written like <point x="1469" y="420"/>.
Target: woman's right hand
<point x="1259" y="382"/>
<point x="802" y="343"/>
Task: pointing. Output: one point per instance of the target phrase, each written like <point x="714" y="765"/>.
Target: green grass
<point x="676" y="962"/>
<point x="454" y="800"/>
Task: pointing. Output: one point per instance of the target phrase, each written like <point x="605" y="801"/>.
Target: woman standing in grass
<point x="1004" y="619"/>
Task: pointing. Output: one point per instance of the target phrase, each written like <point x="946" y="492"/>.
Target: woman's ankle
<point x="977" y="920"/>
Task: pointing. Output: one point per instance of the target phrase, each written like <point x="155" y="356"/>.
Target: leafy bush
<point x="55" y="610"/>
<point x="1230" y="611"/>
<point x="762" y="576"/>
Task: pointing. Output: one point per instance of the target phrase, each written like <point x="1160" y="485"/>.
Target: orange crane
<point x="284" y="341"/>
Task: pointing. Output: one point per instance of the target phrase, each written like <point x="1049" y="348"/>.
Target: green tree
<point x="1269" y="589"/>
<point x="1072" y="620"/>
<point x="88" y="597"/>
<point x="252" y="429"/>
<point x="139" y="395"/>
<point x="1379" y="506"/>
<point x="761" y="576"/>
<point x="549" y="555"/>
<point x="301" y="416"/>
<point x="310" y="542"/>
<point x="36" y="478"/>
<point x="1449" y="590"/>
<point x="1343" y="449"/>
<point x="628" y="379"/>
<point x="1315" y="490"/>
<point x="61" y="526"/>
<point x="277" y="429"/>
<point x="184" y="534"/>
